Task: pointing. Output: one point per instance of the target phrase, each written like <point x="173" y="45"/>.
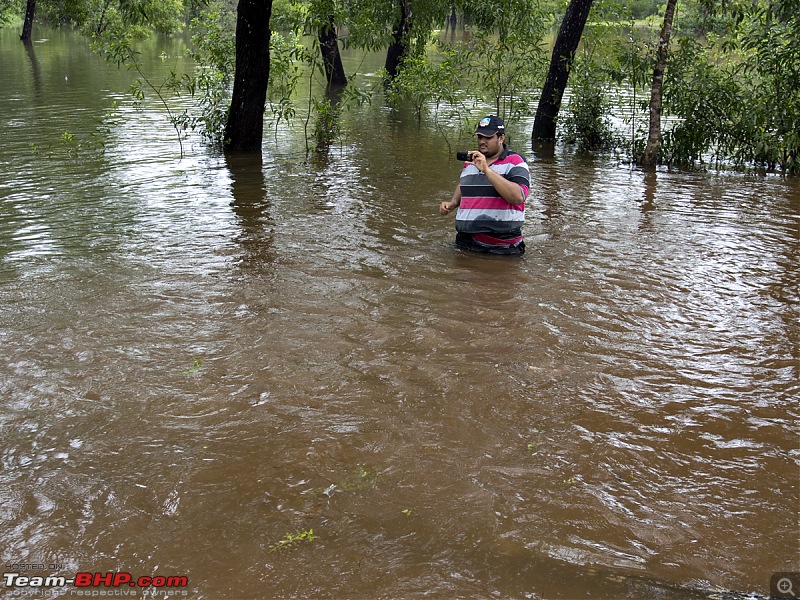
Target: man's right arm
<point x="445" y="208"/>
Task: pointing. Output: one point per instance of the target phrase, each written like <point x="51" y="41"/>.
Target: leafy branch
<point x="292" y="539"/>
<point x="119" y="51"/>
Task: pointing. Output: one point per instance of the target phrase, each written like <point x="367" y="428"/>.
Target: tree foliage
<point x="737" y="96"/>
<point x="134" y="17"/>
<point x="213" y="49"/>
<point x="507" y="57"/>
<point x="11" y="10"/>
<point x="730" y="88"/>
<point x="587" y="123"/>
<point x="499" y="65"/>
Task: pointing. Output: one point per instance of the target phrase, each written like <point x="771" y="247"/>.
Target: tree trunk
<point x="398" y="50"/>
<point x="649" y="157"/>
<point x="245" y="127"/>
<point x="569" y="36"/>
<point x="331" y="58"/>
<point x="27" y="27"/>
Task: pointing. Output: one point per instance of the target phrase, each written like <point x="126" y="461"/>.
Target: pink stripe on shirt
<point x="490" y="203"/>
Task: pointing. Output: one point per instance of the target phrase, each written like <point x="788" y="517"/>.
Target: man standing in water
<point x="491" y="194"/>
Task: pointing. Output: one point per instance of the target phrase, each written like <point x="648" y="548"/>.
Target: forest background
<point x="729" y="93"/>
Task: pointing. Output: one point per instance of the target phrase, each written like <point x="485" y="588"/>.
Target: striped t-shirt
<point x="483" y="212"/>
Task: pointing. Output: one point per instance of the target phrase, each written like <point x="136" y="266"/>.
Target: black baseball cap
<point x="490" y="125"/>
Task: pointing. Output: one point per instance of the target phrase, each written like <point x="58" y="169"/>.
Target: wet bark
<point x="245" y="126"/>
<point x="27" y="26"/>
<point x="569" y="36"/>
<point x="398" y="49"/>
<point x="650" y="155"/>
<point x="331" y="58"/>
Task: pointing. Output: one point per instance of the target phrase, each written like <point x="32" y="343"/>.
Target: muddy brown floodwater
<point x="278" y="378"/>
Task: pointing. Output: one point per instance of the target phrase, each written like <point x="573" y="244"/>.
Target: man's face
<point x="490" y="145"/>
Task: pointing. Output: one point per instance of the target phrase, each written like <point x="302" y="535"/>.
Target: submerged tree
<point x="245" y="127"/>
<point x="317" y="20"/>
<point x="27" y="26"/>
<point x="329" y="48"/>
<point x="399" y="47"/>
<point x="650" y="155"/>
<point x="412" y="23"/>
<point x="569" y="36"/>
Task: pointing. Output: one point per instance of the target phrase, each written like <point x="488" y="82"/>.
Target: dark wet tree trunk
<point x="27" y="26"/>
<point x="569" y="36"/>
<point x="650" y="155"/>
<point x="331" y="58"/>
<point x="245" y="126"/>
<point x="398" y="50"/>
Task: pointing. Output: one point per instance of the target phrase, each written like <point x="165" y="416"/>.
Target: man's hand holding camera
<point x="475" y="157"/>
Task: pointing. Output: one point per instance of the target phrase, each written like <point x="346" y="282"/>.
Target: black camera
<point x="463" y="156"/>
